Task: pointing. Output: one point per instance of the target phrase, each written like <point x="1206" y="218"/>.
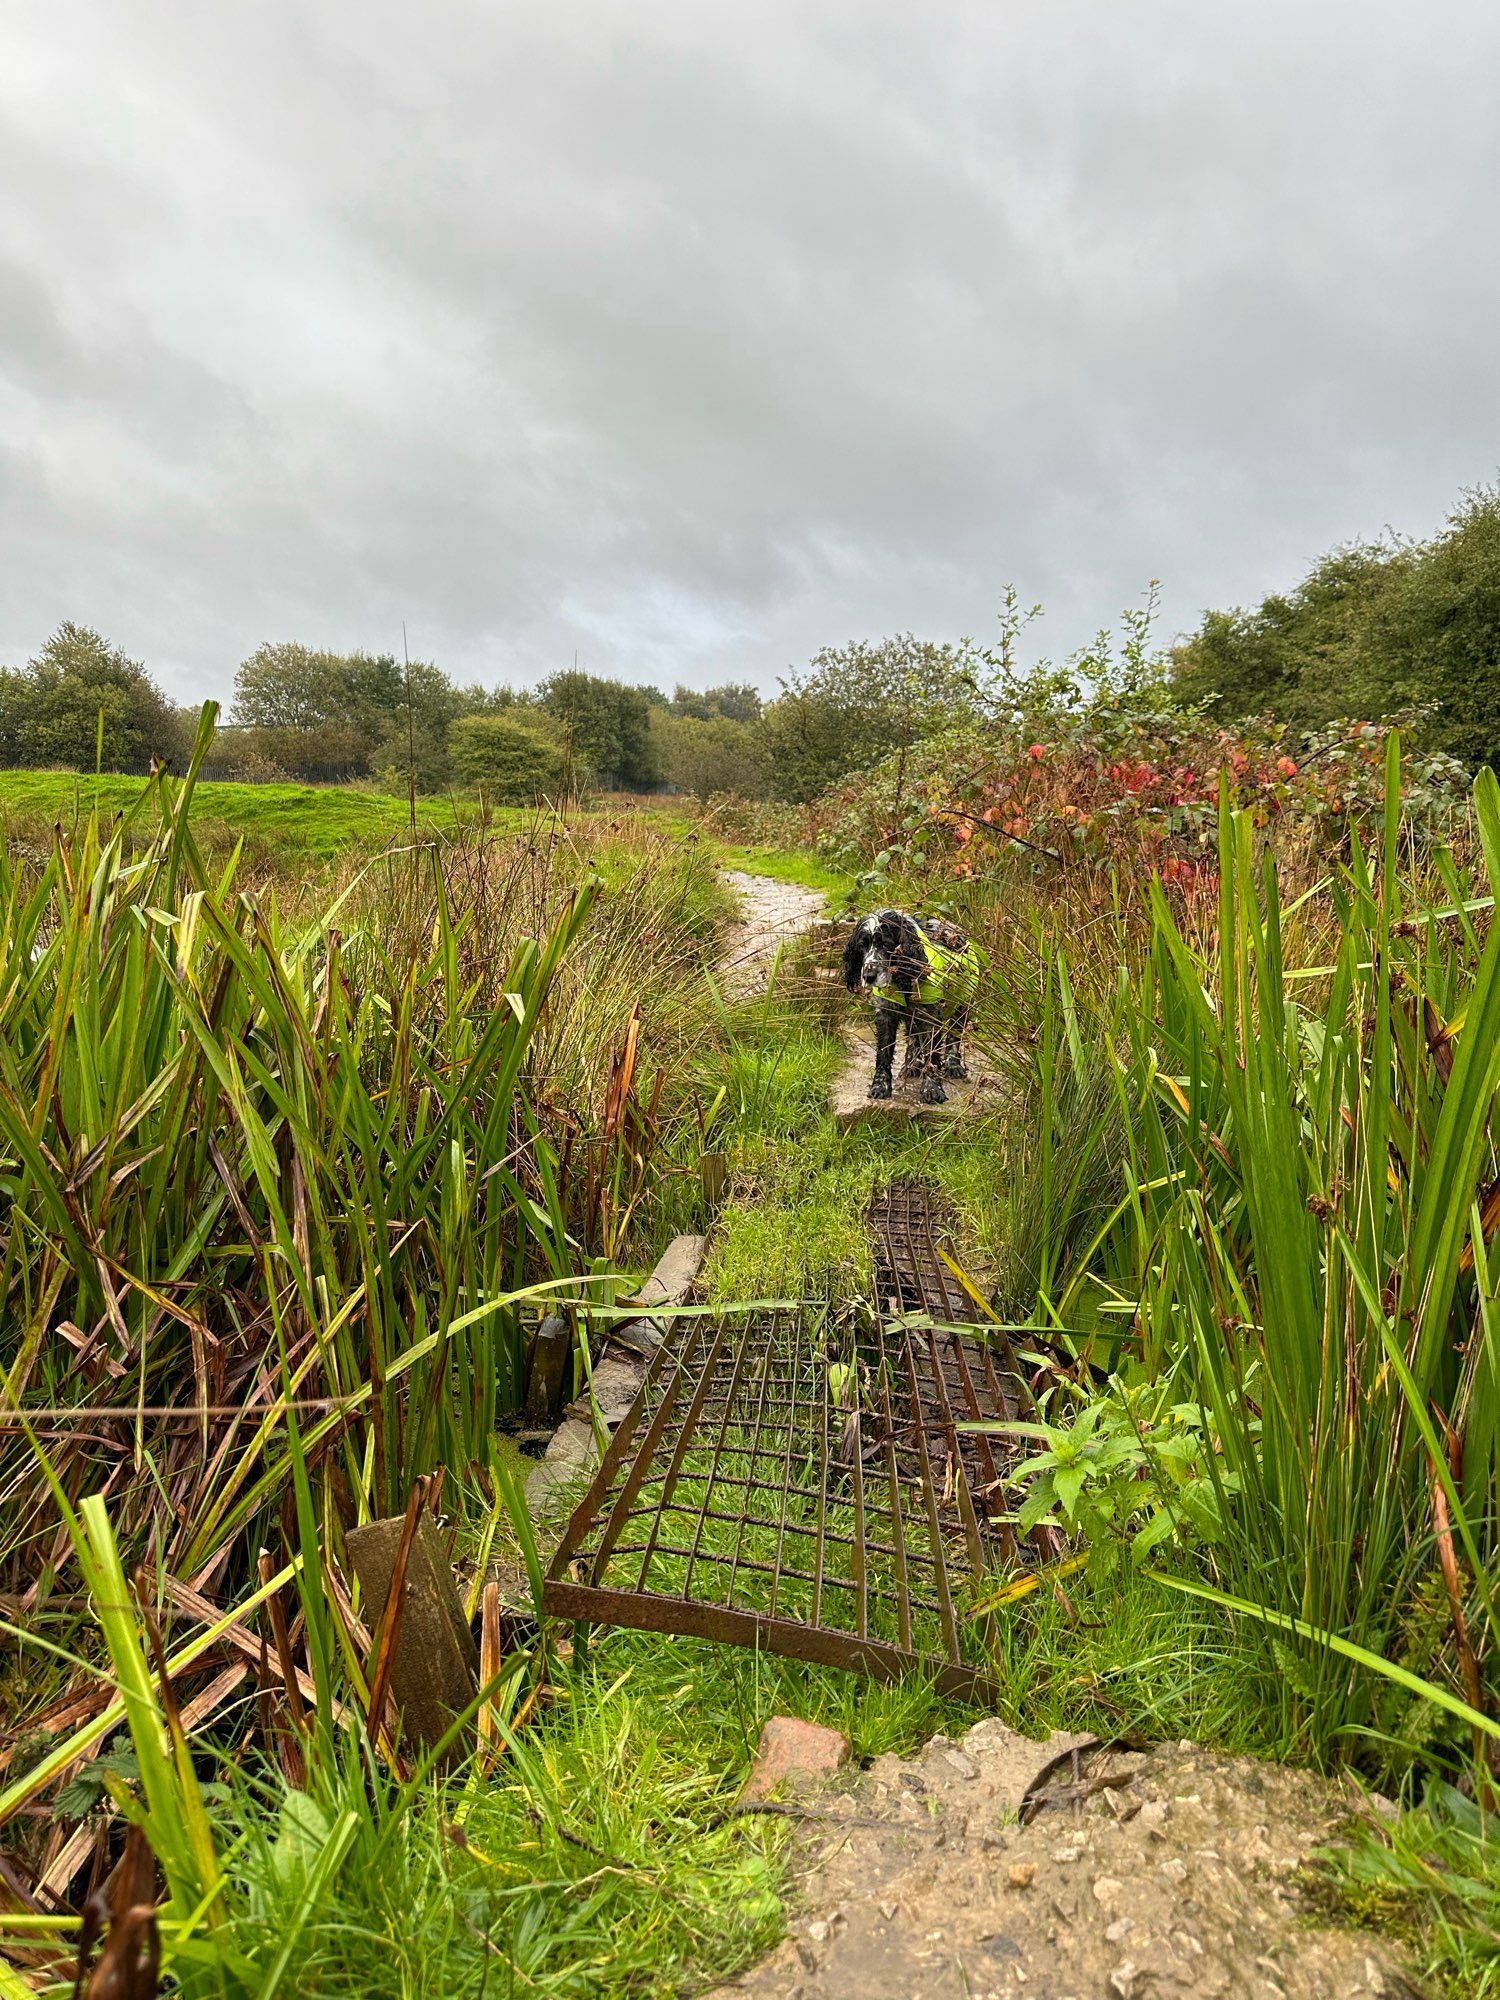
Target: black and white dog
<point x="921" y="971"/>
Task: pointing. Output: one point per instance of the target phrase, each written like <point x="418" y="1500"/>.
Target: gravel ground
<point x="1154" y="1875"/>
<point x="773" y="912"/>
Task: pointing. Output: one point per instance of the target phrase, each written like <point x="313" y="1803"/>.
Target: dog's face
<point x="884" y="950"/>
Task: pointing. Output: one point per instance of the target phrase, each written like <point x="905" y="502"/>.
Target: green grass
<point x="790" y="864"/>
<point x="795" y="1220"/>
<point x="604" y="1861"/>
<point x="315" y="822"/>
<point x="321" y="822"/>
<point x="1433" y="1880"/>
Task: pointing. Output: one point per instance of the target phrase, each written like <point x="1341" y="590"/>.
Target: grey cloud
<point x="697" y="337"/>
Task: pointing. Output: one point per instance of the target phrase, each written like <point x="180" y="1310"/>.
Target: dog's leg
<point x="887" y="1019"/>
<point x="927" y="1039"/>
<point x="953" y="1045"/>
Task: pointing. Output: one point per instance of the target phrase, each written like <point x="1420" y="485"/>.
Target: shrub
<point x="755" y="822"/>
<point x="511" y="761"/>
<point x="1385" y="627"/>
<point x="1122" y="789"/>
<point x="604" y="725"/>
<point x="714" y="754"/>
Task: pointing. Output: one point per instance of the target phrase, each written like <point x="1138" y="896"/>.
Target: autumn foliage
<point x="1108" y="787"/>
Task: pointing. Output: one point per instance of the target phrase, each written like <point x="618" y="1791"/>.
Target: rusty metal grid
<point x="909" y="1222"/>
<point x="780" y="1483"/>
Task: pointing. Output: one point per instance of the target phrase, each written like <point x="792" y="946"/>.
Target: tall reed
<point x="250" y="1166"/>
<point x="1311" y="1186"/>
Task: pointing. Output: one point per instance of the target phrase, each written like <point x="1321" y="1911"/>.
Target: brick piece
<point x="792" y="1753"/>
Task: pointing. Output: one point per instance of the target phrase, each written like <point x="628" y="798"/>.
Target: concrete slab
<point x="672" y="1280"/>
<point x="555" y="1482"/>
<point x="614" y="1385"/>
<point x="850" y="1102"/>
<point x="668" y="1285"/>
<point x="565" y="1468"/>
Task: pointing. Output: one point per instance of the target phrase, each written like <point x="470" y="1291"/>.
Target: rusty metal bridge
<point x="794" y="1481"/>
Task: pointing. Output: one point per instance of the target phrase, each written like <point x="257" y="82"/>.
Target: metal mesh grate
<point x="779" y="1483"/>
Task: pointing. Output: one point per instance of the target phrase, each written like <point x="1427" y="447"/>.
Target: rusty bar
<point x="893" y="1477"/>
<point x="750" y="1460"/>
<point x="940" y="1566"/>
<point x="644" y="1611"/>
<point x="955" y="1457"/>
<point x="713" y="1474"/>
<point x="976" y="1411"/>
<point x="817" y="1603"/>
<point x="853" y="1431"/>
<point x="594" y="1498"/>
<point x="786" y="1470"/>
<point x="684" y="1441"/>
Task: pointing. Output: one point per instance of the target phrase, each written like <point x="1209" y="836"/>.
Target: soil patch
<point x="1139" y="1876"/>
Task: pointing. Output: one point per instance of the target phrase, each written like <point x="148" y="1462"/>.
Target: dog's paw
<point x="933" y="1091"/>
<point x="955" y="1068"/>
<point x="881" y="1087"/>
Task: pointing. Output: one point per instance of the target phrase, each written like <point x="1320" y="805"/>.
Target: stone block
<point x="547" y="1370"/>
<point x="435" y="1666"/>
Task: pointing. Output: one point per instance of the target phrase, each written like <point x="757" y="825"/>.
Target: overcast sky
<point x="694" y="335"/>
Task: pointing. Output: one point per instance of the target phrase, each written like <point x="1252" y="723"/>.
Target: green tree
<point x="320" y="714"/>
<point x="858" y="703"/>
<point x="1373" y="630"/>
<point x="1299" y="656"/>
<point x="735" y="701"/>
<point x="604" y="725"/>
<point x="53" y="710"/>
<point x="287" y="686"/>
<point x="1433" y="634"/>
<point x="703" y="755"/>
<point x="514" y="761"/>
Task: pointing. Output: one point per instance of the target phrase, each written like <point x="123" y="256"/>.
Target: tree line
<point x="1374" y="630"/>
<point x="303" y="713"/>
<point x="306" y="713"/>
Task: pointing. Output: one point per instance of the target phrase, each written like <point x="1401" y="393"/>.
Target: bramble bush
<point x="1118" y="775"/>
<point x="753" y="822"/>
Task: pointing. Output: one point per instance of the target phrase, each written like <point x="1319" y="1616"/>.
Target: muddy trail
<point x="996" y="1867"/>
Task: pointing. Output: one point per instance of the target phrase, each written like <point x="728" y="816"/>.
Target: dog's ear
<point x="854" y="955"/>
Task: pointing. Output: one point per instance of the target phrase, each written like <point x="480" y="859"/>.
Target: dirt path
<point x="773" y="912"/>
<point x="1155" y="1875"/>
<point x="1140" y="1876"/>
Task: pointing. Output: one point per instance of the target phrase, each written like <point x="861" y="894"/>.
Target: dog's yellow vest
<point x="952" y="977"/>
